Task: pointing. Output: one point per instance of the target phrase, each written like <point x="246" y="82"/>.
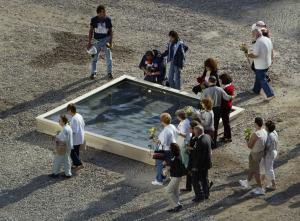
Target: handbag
<point x="159" y="154"/>
<point x="60" y="148"/>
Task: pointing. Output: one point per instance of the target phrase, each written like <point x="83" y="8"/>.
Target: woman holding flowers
<point x="167" y="136"/>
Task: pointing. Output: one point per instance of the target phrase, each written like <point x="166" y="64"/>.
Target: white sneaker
<point x="258" y="191"/>
<point x="156" y="183"/>
<point x="244" y="183"/>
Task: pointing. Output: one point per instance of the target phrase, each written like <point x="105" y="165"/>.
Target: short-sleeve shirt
<point x="167" y="136"/>
<point x="263" y="49"/>
<point x="101" y="26"/>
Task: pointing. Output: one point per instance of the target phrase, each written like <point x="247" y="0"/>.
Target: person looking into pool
<point x="153" y="66"/>
<point x="77" y="124"/>
<point x="167" y="136"/>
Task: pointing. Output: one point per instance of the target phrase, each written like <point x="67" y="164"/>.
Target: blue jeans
<point x="174" y="76"/>
<point x="101" y="46"/>
<point x="262" y="83"/>
<point x="75" y="155"/>
<point x="159" y="166"/>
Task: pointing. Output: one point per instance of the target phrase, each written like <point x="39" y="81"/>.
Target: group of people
<point x="186" y="152"/>
<point x="68" y="141"/>
<point x="187" y="148"/>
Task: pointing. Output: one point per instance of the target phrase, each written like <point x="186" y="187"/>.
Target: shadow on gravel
<point x="48" y="97"/>
<point x="15" y="195"/>
<point x="281" y="160"/>
<point x="71" y="48"/>
<point x="280" y="198"/>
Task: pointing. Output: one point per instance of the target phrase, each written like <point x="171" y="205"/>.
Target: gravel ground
<point x="44" y="64"/>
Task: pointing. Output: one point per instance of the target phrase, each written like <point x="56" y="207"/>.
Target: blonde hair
<point x="207" y="102"/>
<point x="165" y="118"/>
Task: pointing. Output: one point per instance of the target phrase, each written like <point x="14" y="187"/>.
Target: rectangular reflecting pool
<point x="119" y="114"/>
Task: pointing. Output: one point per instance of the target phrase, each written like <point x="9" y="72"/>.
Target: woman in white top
<point x="183" y="136"/>
<point x="271" y="152"/>
<point x="257" y="145"/>
<point x="64" y="145"/>
<point x="167" y="136"/>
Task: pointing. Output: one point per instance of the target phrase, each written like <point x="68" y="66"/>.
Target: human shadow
<point x="70" y="48"/>
<point x="51" y="96"/>
<point x="279" y="198"/>
<point x="12" y="196"/>
<point x="244" y="96"/>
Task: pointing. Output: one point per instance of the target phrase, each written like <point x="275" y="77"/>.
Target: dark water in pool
<point x="127" y="110"/>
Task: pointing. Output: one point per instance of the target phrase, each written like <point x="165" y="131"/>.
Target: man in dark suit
<point x="201" y="163"/>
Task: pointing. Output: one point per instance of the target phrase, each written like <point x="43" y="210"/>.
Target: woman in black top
<point x="177" y="170"/>
<point x="210" y="69"/>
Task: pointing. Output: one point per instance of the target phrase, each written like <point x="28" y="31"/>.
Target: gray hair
<point x="199" y="128"/>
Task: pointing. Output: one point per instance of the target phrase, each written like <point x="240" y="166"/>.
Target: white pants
<point x="59" y="160"/>
<point x="266" y="165"/>
<point x="172" y="191"/>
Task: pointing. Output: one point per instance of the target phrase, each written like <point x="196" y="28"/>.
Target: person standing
<point x="64" y="145"/>
<point x="270" y="155"/>
<point x="77" y="124"/>
<point x="101" y="30"/>
<point x="167" y="136"/>
<point x="183" y="136"/>
<point x="257" y="144"/>
<point x="177" y="170"/>
<point x="190" y="147"/>
<point x="175" y="53"/>
<point x="262" y="55"/>
<point x="216" y="94"/>
<point x="206" y="117"/>
<point x="201" y="163"/>
<point x="226" y="106"/>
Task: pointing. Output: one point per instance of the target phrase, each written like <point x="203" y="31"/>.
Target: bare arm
<point x="251" y="55"/>
<point x="110" y="34"/>
<point x="91" y="31"/>
<point x="252" y="141"/>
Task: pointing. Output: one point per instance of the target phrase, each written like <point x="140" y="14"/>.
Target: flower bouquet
<point x="247" y="133"/>
<point x="244" y="47"/>
<point x="152" y="133"/>
<point x="188" y="110"/>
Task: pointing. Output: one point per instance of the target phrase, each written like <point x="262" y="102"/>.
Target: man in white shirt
<point x="77" y="124"/>
<point x="262" y="54"/>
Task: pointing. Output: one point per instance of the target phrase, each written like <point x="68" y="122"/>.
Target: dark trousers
<point x="225" y="112"/>
<point x="188" y="184"/>
<point x="200" y="184"/>
<point x="217" y="116"/>
<point x="75" y="155"/>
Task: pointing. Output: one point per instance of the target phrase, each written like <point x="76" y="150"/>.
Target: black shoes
<point x="65" y="176"/>
<point x="109" y="76"/>
<point x="175" y="209"/>
<point x="198" y="199"/>
<point x="93" y="76"/>
<point x="185" y="190"/>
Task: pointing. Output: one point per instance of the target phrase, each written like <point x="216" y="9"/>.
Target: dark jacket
<point x="202" y="153"/>
<point x="179" y="54"/>
<point x="177" y="169"/>
<point x="201" y="79"/>
<point x="192" y="144"/>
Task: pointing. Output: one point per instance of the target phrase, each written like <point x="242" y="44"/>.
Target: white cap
<point x="261" y="24"/>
